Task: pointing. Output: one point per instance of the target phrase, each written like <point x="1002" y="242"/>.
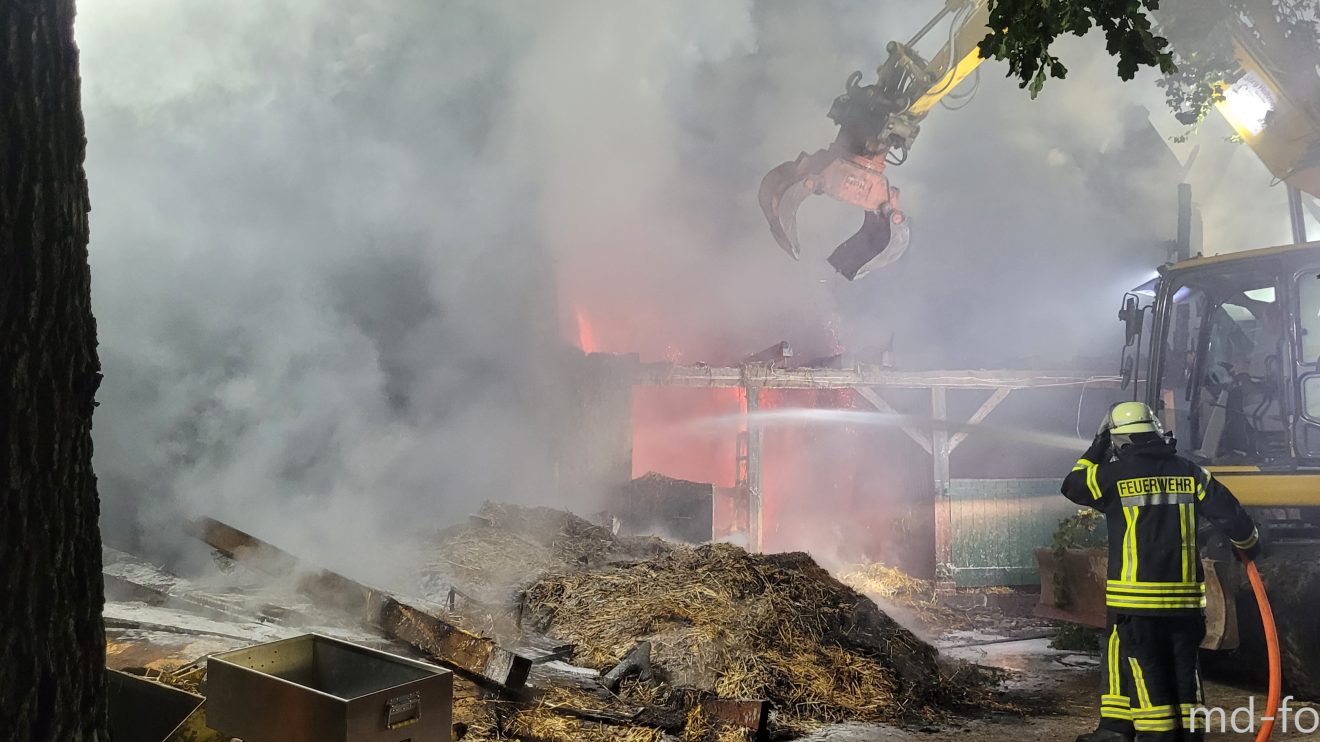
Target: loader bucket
<point x="855" y="180"/>
<point x="1072" y="589"/>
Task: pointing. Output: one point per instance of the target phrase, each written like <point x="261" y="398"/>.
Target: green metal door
<point x="995" y="525"/>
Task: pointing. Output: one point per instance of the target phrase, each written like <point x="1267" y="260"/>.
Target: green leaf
<point x="1023" y="31"/>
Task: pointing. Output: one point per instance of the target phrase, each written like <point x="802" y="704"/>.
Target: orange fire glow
<point x="586" y="333"/>
<point x="824" y="488"/>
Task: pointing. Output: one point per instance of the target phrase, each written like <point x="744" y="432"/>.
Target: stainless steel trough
<point x="314" y="688"/>
<point x="145" y="711"/>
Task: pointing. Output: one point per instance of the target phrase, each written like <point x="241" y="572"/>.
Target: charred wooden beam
<point x="540" y="648"/>
<point x="762" y="376"/>
<point x="601" y="715"/>
<point x="920" y="437"/>
<point x="833" y="361"/>
<point x="243" y="547"/>
<point x="776" y="356"/>
<point x="406" y="621"/>
<point x="637" y="662"/>
<point x="752" y="714"/>
<point x="452" y="645"/>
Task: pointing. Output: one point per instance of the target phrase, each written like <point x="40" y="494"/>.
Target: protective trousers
<point x="1116" y="684"/>
<point x="1162" y="653"/>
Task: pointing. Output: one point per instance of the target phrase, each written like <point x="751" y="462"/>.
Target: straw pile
<point x="507" y="547"/>
<point x="751" y="626"/>
<point x="721" y="622"/>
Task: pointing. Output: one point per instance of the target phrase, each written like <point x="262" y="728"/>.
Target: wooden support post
<point x="754" y="441"/>
<point x="943" y="510"/>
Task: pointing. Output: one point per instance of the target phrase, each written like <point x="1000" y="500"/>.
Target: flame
<point x="824" y="489"/>
<point x="586" y="334"/>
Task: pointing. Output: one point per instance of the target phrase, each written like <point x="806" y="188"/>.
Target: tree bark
<point x="52" y="645"/>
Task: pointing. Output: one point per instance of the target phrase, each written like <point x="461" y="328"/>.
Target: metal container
<point x="145" y="711"/>
<point x="314" y="688"/>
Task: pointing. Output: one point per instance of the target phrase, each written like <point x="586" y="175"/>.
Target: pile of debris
<point x="744" y="625"/>
<point x="718" y="622"/>
<point x="559" y="630"/>
<point x="504" y="548"/>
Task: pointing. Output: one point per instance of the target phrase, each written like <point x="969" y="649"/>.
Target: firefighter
<point x="1155" y="592"/>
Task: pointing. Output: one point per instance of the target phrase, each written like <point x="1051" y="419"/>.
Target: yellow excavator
<point x="1226" y="348"/>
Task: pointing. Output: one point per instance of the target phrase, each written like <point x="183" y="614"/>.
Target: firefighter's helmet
<point x="1128" y="418"/>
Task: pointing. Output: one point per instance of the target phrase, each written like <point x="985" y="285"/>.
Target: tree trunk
<point x="52" y="646"/>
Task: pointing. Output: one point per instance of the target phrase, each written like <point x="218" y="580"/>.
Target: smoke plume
<point x="340" y="247"/>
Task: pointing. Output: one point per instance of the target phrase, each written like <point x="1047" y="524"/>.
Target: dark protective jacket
<point x="1151" y="498"/>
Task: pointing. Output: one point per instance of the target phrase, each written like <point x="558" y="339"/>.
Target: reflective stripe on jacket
<point x="1151" y="498"/>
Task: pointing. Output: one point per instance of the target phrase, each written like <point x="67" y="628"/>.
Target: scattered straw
<point x="887" y="582"/>
<point x="894" y="586"/>
<point x="544" y="724"/>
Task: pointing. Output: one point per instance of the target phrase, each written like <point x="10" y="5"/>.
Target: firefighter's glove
<point x="1249" y="549"/>
<point x="1098" y="453"/>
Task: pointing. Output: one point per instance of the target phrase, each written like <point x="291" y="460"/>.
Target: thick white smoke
<point x="333" y="241"/>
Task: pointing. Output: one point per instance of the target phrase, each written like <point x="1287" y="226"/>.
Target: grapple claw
<point x="855" y="180"/>
<point x="782" y="191"/>
<point x="880" y="241"/>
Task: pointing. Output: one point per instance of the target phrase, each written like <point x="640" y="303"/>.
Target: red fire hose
<point x="1272" y="647"/>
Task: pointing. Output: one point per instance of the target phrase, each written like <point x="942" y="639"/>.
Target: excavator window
<point x="1223" y="368"/>
<point x="1308" y="319"/>
<point x="1308" y="361"/>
